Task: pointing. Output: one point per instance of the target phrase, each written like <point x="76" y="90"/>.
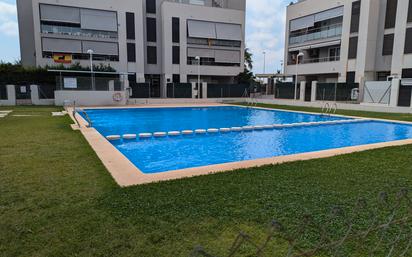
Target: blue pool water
<point x="172" y="153"/>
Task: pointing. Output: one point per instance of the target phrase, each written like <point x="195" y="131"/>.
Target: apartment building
<point x="349" y="40"/>
<point x="155" y="41"/>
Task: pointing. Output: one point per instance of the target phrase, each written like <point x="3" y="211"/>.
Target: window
<point x="354" y="25"/>
<point x="175" y="30"/>
<point x="176" y="78"/>
<point x="382" y="75"/>
<point x="151" y="6"/>
<point x="407" y="73"/>
<point x="151" y="55"/>
<point x="131" y="52"/>
<point x="410" y="11"/>
<point x="334" y="54"/>
<point x="130" y="26"/>
<point x="176" y="55"/>
<point x="353" y="48"/>
<point x="390" y="18"/>
<point x="151" y="29"/>
<point x="388" y="44"/>
<point x="350" y="77"/>
<point x="408" y="41"/>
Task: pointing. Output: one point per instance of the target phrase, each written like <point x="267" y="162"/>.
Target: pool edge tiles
<point x="125" y="173"/>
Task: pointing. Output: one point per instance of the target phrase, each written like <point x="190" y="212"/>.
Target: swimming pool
<point x="157" y="155"/>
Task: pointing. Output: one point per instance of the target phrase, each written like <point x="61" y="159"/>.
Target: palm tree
<point x="248" y="59"/>
<point x="247" y="75"/>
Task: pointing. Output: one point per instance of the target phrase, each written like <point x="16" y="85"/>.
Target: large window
<point x="151" y="55"/>
<point x="408" y="41"/>
<point x="353" y="48"/>
<point x="176" y="54"/>
<point x="354" y="25"/>
<point x="131" y="52"/>
<point x="151" y="29"/>
<point x="410" y="11"/>
<point x="390" y="18"/>
<point x="175" y="30"/>
<point x="151" y="6"/>
<point x="130" y="26"/>
<point x="388" y="44"/>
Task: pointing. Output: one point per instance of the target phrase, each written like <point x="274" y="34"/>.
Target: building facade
<point x="349" y="40"/>
<point x="156" y="41"/>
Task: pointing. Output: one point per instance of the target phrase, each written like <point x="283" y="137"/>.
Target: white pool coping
<point x="125" y="173"/>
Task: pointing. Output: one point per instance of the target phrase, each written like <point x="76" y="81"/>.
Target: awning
<point x="59" y="13"/>
<point x="98" y="20"/>
<point x="201" y="52"/>
<point x="225" y="56"/>
<point x="229" y="31"/>
<point x="57" y="45"/>
<point x="201" y="29"/>
<point x="311" y="46"/>
<point x="105" y="48"/>
<point x="302" y="23"/>
<point x="329" y="14"/>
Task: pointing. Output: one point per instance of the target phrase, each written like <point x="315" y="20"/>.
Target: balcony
<point x="213" y="3"/>
<point x="316" y="60"/>
<point x="312" y="34"/>
<point x="77" y="32"/>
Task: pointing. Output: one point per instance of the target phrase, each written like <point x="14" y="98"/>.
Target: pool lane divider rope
<point x="228" y="130"/>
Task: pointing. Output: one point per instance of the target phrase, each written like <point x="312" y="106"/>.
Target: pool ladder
<point x="250" y="100"/>
<point x="328" y="109"/>
<point x="89" y="121"/>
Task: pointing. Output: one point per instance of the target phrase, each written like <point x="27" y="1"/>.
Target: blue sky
<point x="264" y="32"/>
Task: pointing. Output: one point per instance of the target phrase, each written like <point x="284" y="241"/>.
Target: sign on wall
<point x="70" y="82"/>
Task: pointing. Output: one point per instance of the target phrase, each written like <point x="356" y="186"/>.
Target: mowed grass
<point x="57" y="199"/>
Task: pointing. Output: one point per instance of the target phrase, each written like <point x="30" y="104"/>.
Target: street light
<point x="296" y="78"/>
<point x="264" y="62"/>
<point x="91" y="52"/>
<point x="198" y="76"/>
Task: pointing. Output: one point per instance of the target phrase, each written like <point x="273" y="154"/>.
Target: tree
<point x="247" y="75"/>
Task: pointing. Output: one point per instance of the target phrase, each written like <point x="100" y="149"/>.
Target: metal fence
<point x="46" y="91"/>
<point x="179" y="90"/>
<point x="335" y="91"/>
<point x="3" y="92"/>
<point x="139" y="90"/>
<point x="286" y="90"/>
<point x="88" y="83"/>
<point x="230" y="90"/>
<point x="376" y="229"/>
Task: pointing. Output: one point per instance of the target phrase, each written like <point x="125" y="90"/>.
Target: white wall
<point x="11" y="96"/>
<point x="89" y="98"/>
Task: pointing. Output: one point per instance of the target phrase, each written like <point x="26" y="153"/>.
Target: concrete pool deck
<point x="125" y="173"/>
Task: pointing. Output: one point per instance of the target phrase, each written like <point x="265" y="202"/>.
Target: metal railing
<point x="77" y="31"/>
<point x="316" y="60"/>
<point x="330" y="31"/>
<point x="381" y="229"/>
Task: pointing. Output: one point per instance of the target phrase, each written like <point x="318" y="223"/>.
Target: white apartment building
<point x="350" y="41"/>
<point x="155" y="41"/>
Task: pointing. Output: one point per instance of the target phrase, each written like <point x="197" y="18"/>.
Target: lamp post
<point x="281" y="66"/>
<point x="91" y="52"/>
<point x="264" y="62"/>
<point x="198" y="76"/>
<point x="296" y="78"/>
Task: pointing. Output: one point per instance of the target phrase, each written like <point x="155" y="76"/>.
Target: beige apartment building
<point x="351" y="41"/>
<point x="154" y="41"/>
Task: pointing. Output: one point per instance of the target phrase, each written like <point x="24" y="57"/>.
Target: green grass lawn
<point x="57" y="199"/>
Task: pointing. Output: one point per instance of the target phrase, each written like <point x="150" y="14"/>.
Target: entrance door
<point x="23" y="95"/>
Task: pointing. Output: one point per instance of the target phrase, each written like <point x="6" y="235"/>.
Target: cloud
<point x="8" y="19"/>
<point x="265" y="25"/>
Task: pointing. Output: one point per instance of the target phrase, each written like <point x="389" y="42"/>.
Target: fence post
<point x="11" y="94"/>
<point x="111" y="85"/>
<point x="302" y="91"/>
<point x="314" y="90"/>
<point x="204" y="90"/>
<point x="393" y="102"/>
<point x="194" y="91"/>
<point x="34" y="94"/>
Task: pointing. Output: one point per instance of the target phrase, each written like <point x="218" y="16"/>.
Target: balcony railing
<point x="316" y="34"/>
<point x="316" y="60"/>
<point x="77" y="31"/>
<point x="213" y="3"/>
